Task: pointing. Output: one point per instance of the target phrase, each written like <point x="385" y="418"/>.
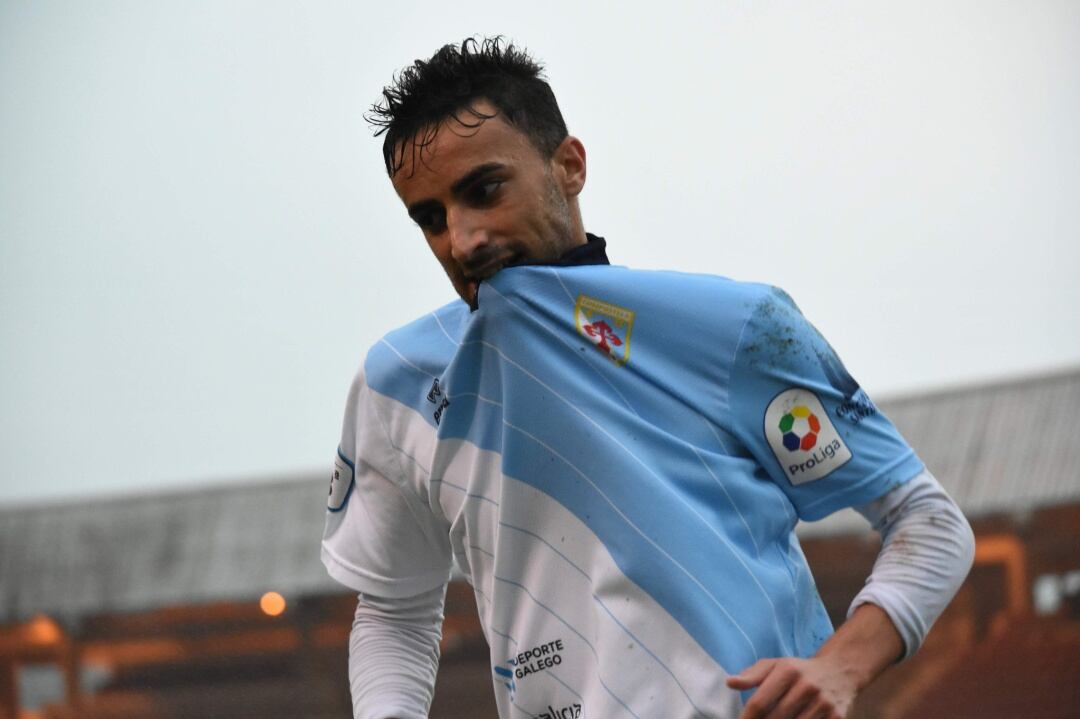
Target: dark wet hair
<point x="447" y="85"/>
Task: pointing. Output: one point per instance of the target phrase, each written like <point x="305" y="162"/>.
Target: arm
<point x="394" y="655"/>
<point x="382" y="539"/>
<point x="927" y="550"/>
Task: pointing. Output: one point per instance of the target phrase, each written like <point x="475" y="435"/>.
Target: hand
<point x="824" y="686"/>
<point x="790" y="688"/>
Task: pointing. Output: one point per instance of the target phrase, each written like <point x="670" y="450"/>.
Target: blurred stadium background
<point x="197" y="243"/>
<point x="212" y="602"/>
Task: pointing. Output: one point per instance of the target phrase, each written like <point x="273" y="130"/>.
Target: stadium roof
<point x="1006" y="447"/>
<point x="999" y="448"/>
<point x="222" y="543"/>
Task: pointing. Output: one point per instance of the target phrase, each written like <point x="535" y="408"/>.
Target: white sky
<point x="198" y="241"/>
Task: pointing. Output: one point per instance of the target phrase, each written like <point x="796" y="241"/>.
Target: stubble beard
<point x="556" y="239"/>
<point x="558" y="219"/>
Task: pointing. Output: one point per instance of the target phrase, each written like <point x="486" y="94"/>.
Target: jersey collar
<point x="593" y="252"/>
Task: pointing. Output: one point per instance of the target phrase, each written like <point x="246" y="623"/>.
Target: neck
<point x="577" y="227"/>
<point x="593" y="252"/>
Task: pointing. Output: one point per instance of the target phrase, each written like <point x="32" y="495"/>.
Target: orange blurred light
<point x="42" y="630"/>
<point x="272" y="603"/>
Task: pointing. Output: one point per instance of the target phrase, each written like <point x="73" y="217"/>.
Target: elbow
<point x="965" y="546"/>
<point x="968" y="545"/>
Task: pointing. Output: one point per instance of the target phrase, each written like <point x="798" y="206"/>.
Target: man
<point x="614" y="458"/>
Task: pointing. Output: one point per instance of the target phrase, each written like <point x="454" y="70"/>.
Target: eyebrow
<point x="459" y="186"/>
<point x="473" y="175"/>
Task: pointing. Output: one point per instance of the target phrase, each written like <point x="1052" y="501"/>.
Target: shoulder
<point x="698" y="317"/>
<point x="718" y="305"/>
<point x="671" y="290"/>
<point x="774" y="319"/>
<point x="423" y="346"/>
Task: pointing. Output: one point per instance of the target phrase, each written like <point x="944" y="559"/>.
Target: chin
<point x="471" y="293"/>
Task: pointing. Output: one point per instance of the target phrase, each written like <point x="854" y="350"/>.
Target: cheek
<point x="554" y="216"/>
<point x="536" y="216"/>
<point x="441" y="250"/>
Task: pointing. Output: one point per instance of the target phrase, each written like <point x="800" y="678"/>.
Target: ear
<point x="568" y="163"/>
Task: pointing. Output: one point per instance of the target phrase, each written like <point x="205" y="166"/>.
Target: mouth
<point x="477" y="274"/>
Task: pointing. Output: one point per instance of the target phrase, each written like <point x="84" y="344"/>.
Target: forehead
<point x="438" y="156"/>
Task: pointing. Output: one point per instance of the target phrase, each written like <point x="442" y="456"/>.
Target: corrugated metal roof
<point x="1003" y="447"/>
<point x="123" y="554"/>
<point x="1008" y="447"/>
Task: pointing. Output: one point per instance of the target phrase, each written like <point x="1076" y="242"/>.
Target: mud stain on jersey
<point x="779" y="338"/>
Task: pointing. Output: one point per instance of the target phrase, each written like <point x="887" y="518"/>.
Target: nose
<point x="469" y="240"/>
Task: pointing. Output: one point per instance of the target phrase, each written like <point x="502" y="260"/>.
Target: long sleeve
<point x="927" y="550"/>
<point x="394" y="655"/>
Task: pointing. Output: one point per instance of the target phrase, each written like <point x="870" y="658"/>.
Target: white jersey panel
<point x="382" y="538"/>
<point x="564" y="624"/>
<point x="621" y="653"/>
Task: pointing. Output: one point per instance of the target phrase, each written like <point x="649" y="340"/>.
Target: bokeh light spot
<point x="272" y="604"/>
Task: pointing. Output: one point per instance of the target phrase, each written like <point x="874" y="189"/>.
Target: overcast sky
<point x="198" y="241"/>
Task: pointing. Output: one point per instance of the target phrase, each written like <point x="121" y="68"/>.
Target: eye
<point x="484" y="193"/>
<point x="433" y="220"/>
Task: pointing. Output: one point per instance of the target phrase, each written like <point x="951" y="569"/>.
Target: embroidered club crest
<point x="606" y="326"/>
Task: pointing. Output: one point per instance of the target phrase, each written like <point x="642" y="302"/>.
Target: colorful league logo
<point x="802" y="436"/>
<point x="800" y="427"/>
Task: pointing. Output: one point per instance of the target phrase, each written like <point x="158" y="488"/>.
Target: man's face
<point x="486" y="198"/>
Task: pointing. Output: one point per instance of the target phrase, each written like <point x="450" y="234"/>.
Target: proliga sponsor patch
<point x="341" y="481"/>
<point x="802" y="436"/>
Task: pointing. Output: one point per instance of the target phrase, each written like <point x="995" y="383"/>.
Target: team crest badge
<point x="606" y="326"/>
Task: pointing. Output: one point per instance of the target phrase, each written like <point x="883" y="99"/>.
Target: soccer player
<point x="614" y="458"/>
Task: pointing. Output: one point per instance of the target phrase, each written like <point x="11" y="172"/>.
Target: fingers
<point x="801" y="700"/>
<point x="821" y="708"/>
<point x="780" y="676"/>
<point x="752" y="675"/>
<point x="786" y="689"/>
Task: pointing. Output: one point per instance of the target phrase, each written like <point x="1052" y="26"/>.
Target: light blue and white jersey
<point x="617" y="460"/>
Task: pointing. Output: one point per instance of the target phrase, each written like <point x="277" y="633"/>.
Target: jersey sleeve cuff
<point x="389" y="587"/>
<point x="904" y="616"/>
<point x="899" y="472"/>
